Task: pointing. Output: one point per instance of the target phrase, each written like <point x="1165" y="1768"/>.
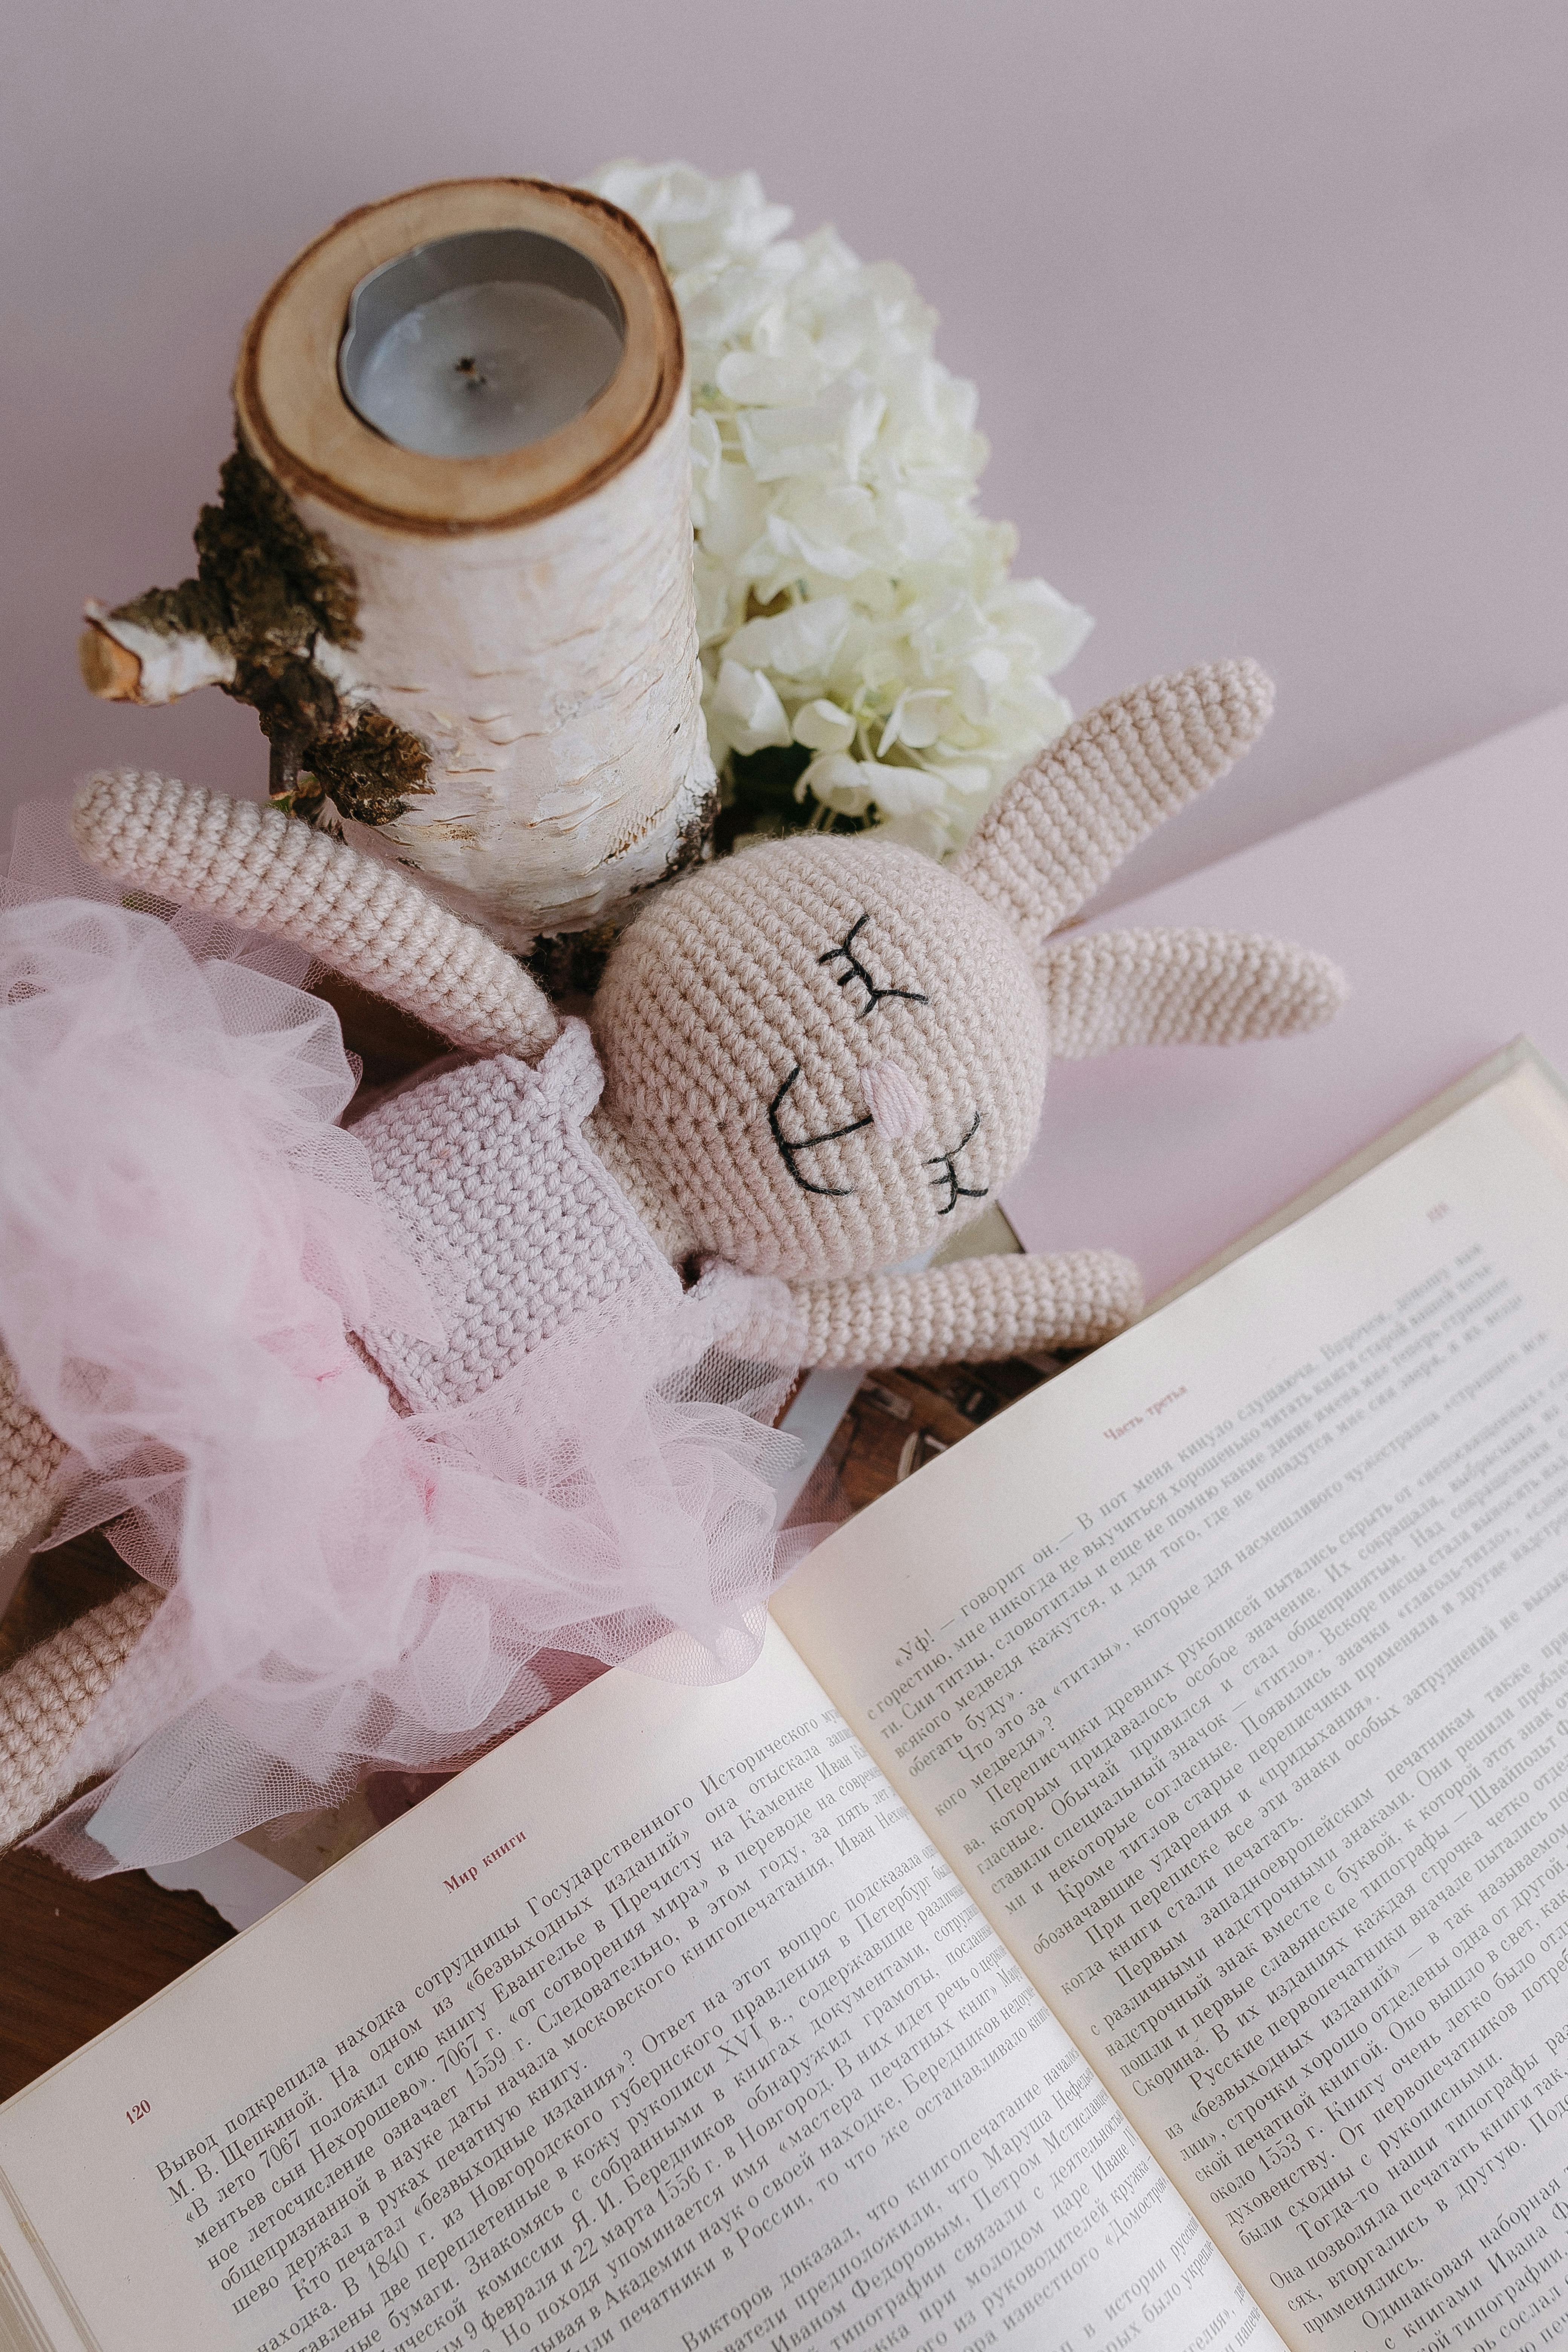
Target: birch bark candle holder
<point x="451" y="566"/>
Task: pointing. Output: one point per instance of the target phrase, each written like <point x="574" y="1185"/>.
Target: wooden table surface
<point x="77" y="1954"/>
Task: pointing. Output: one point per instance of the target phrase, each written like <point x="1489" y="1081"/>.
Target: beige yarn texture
<point x="1063" y="826"/>
<point x="726" y="984"/>
<point x="979" y="1309"/>
<point x="736" y="1023"/>
<point x="30" y="1453"/>
<point x="262" y="869"/>
<point x="47" y="1700"/>
<point x="512" y="1218"/>
<point x="1167" y="988"/>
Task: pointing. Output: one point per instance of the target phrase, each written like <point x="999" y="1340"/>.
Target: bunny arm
<point x="269" y="872"/>
<point x="979" y="1308"/>
<point x="1103" y="989"/>
<point x="1064" y="825"/>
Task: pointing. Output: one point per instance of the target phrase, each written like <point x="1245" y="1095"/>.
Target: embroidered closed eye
<point x="948" y="1176"/>
<point x="854" y="972"/>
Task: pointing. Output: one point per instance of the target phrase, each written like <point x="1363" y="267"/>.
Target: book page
<point x="1229" y="1670"/>
<point x="664" y="2025"/>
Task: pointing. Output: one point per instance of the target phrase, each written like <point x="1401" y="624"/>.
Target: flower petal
<point x="795" y="643"/>
<point x="915" y="720"/>
<point x="821" y="726"/>
<point x="749" y="704"/>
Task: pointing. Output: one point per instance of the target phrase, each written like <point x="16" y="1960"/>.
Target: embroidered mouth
<point x="948" y="1176"/>
<point x="789" y="1150"/>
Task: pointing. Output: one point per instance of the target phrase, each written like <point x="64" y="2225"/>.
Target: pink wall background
<point x="1266" y="305"/>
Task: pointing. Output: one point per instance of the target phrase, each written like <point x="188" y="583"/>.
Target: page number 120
<point x="142" y="2108"/>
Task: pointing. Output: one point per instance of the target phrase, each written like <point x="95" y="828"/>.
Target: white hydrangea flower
<point x="850" y="600"/>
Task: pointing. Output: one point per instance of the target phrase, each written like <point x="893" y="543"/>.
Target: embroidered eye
<point x="854" y="973"/>
<point x="948" y="1176"/>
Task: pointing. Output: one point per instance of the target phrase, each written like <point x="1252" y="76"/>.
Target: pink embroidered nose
<point x="898" y="1105"/>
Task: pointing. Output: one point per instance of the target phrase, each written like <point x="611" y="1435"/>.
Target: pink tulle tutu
<point x="200" y="1275"/>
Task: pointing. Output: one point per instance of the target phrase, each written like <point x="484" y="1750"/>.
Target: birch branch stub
<point x="488" y="664"/>
<point x="124" y="661"/>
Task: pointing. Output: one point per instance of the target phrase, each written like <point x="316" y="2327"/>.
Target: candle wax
<point x="487" y="368"/>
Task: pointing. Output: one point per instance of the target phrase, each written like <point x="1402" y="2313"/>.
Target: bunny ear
<point x="1063" y="824"/>
<point x="1104" y="989"/>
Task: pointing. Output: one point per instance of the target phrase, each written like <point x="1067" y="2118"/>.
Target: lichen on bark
<point x="265" y="584"/>
<point x="368" y="773"/>
<point x="569" y="965"/>
<point x="268" y="589"/>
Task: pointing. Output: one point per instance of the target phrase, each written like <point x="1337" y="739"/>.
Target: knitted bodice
<point x="513" y="1220"/>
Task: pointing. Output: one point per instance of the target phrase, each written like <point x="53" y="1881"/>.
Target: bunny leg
<point x="46" y="1701"/>
<point x="47" y="1697"/>
<point x="269" y="872"/>
<point x="30" y="1453"/>
<point x="1192" y="987"/>
<point x="981" y="1307"/>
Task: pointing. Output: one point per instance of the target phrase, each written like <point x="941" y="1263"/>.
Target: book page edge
<point x="23" y="2327"/>
<point x="1497" y="1067"/>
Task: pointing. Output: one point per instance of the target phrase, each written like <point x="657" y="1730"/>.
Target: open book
<point x="1127" y="1904"/>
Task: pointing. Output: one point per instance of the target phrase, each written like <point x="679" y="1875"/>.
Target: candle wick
<point x="469" y="367"/>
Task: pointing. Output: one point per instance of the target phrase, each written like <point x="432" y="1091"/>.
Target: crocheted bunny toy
<point x="823" y="1055"/>
<point x="820" y="1058"/>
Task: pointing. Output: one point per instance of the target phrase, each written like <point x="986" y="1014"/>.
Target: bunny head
<point x="828" y="1053"/>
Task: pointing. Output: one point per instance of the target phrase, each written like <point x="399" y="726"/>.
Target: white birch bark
<point x="553" y="671"/>
<point x="530" y="618"/>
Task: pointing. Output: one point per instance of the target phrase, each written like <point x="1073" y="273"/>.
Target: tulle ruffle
<point x="188" y="1244"/>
